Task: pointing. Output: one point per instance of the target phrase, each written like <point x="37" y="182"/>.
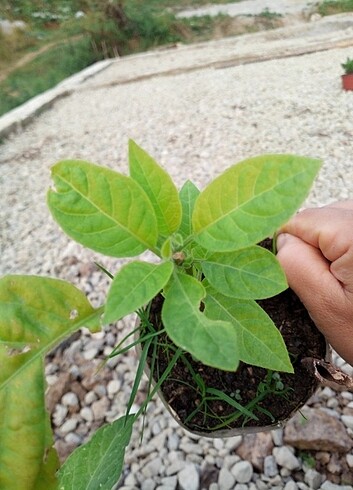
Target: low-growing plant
<point x="348" y="66"/>
<point x="207" y="266"/>
<point x="331" y="7"/>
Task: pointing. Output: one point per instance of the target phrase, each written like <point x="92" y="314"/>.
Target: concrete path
<point x="324" y="34"/>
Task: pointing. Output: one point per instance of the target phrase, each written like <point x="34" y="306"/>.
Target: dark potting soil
<point x="184" y="396"/>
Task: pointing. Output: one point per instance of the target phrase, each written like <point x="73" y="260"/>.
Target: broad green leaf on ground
<point x="251" y="200"/>
<point x="98" y="464"/>
<point x="188" y="194"/>
<point x="36" y="313"/>
<point x="213" y="342"/>
<point x="259" y="341"/>
<point x="249" y="273"/>
<point x="134" y="286"/>
<point x="159" y="187"/>
<point x="102" y="209"/>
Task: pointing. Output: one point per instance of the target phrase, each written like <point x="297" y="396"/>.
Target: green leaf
<point x="259" y="341"/>
<point x="158" y="186"/>
<point x="102" y="209"/>
<point x="188" y="194"/>
<point x="134" y="286"/>
<point x="36" y="313"/>
<point x="213" y="342"/>
<point x="249" y="273"/>
<point x="251" y="200"/>
<point x="98" y="464"/>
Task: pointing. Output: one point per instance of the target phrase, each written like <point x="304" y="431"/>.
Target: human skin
<point x="315" y="249"/>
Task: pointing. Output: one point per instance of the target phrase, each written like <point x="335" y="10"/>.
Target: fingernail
<point x="281" y="240"/>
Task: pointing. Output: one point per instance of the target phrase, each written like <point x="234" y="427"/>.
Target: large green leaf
<point x="249" y="273"/>
<point x="102" y="209"/>
<point x="259" y="341"/>
<point x="213" y="342"/>
<point x="36" y="313"/>
<point x="98" y="464"/>
<point x="134" y="286"/>
<point x="159" y="187"/>
<point x="251" y="200"/>
<point x="188" y="194"/>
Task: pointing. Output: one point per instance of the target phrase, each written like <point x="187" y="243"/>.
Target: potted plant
<point x="199" y="301"/>
<point x="347" y="78"/>
<point x="204" y="298"/>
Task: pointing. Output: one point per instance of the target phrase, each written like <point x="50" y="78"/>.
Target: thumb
<point x="305" y="266"/>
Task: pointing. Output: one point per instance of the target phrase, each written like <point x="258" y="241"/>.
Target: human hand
<point x="315" y="249"/>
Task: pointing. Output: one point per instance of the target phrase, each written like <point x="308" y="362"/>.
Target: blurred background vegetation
<point x="61" y="37"/>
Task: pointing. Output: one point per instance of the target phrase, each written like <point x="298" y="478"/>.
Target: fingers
<point x="309" y="275"/>
<point x="307" y="270"/>
<point x="330" y="230"/>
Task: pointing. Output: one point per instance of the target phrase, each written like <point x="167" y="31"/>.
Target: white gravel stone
<point x="270" y="466"/>
<point x="72" y="438"/>
<point x="152" y="468"/>
<point x="87" y="414"/>
<point x="90" y="354"/>
<point x="277" y="437"/>
<point x="69" y="426"/>
<point x="242" y="471"/>
<point x="59" y="415"/>
<point x="233" y="443"/>
<point x="70" y="399"/>
<point x="285" y="457"/>
<point x="327" y="485"/>
<point x="148" y="484"/>
<point x="113" y="387"/>
<point x="349" y="458"/>
<point x="173" y="441"/>
<point x="226" y="479"/>
<point x="214" y="486"/>
<point x="130" y="480"/>
<point x="347" y="420"/>
<point x="218" y="444"/>
<point x="170" y="482"/>
<point x="90" y="397"/>
<point x="291" y="485"/>
<point x="313" y="479"/>
<point x="241" y="486"/>
<point x="189" y="478"/>
<point x="190" y="447"/>
<point x="100" y="408"/>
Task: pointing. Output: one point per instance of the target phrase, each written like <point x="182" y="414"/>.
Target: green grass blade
<point x="223" y="396"/>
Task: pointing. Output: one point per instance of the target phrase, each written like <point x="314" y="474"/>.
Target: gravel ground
<point x="195" y="124"/>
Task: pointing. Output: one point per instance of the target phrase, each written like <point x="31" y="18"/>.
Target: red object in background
<point x="347" y="81"/>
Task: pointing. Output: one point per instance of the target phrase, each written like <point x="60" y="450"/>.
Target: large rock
<point x="318" y="431"/>
<point x="255" y="448"/>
